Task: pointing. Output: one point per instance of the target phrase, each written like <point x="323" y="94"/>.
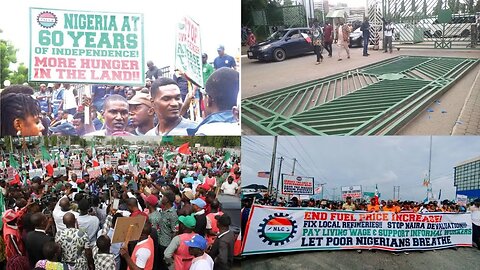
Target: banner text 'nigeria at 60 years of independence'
<point x="86" y="47"/>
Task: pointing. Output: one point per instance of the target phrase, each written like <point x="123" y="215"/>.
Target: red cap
<point x="152" y="200"/>
<point x="79" y="181"/>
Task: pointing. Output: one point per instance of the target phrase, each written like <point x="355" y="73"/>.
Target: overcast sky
<point x="219" y="23"/>
<point x="344" y="161"/>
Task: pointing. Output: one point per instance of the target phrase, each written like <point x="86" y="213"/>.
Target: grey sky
<point x="342" y="161"/>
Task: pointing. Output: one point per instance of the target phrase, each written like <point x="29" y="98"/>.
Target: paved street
<point x="442" y="119"/>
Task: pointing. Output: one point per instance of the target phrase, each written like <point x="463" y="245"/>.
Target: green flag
<point x="167" y="139"/>
<point x="227" y="156"/>
<point x="31" y="160"/>
<point x="2" y="208"/>
<point x="167" y="156"/>
<point x="13" y="162"/>
<point x="132" y="158"/>
<point x="45" y="154"/>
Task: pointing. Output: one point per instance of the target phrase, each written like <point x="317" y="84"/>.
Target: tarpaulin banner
<point x="86" y="47"/>
<point x="281" y="229"/>
<point x="188" y="51"/>
<point x="355" y="192"/>
<point x="297" y="185"/>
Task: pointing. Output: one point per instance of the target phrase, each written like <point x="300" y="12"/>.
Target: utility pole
<point x="396" y="192"/>
<point x="293" y="169"/>
<point x="272" y="165"/>
<point x="279" y="174"/>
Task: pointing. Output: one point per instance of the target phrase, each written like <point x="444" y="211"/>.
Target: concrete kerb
<point x="460" y="130"/>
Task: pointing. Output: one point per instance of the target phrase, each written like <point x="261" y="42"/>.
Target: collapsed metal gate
<point x="427" y="23"/>
<point x="377" y="99"/>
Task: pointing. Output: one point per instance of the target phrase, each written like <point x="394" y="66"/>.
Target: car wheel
<point x="437" y="34"/>
<point x="427" y="34"/>
<point x="279" y="55"/>
<point x="465" y="33"/>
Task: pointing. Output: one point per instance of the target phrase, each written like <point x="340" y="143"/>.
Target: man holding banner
<point x="167" y="103"/>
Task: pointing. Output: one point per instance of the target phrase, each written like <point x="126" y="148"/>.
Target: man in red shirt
<point x="132" y="205"/>
<point x="328" y="38"/>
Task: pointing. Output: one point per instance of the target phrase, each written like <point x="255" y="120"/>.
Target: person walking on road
<point x="317" y="37"/>
<point x="328" y="38"/>
<point x="343" y="38"/>
<point x="365" y="28"/>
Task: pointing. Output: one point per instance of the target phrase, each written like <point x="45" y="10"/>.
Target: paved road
<point x="463" y="258"/>
<point x="258" y="78"/>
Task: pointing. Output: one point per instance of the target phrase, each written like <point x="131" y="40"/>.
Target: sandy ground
<point x="258" y="78"/>
<point x="463" y="258"/>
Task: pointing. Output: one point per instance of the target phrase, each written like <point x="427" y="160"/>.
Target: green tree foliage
<point x="477" y="6"/>
<point x="214" y="141"/>
<point x="20" y="76"/>
<point x="8" y="55"/>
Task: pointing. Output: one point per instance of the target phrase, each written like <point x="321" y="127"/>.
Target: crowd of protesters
<point x="163" y="106"/>
<point x="374" y="205"/>
<point x="67" y="221"/>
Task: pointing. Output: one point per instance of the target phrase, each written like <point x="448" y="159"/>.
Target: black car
<point x="282" y="44"/>
<point x="356" y="38"/>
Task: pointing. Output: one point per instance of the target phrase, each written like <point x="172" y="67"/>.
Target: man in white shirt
<point x="475" y="209"/>
<point x="167" y="103"/>
<point x="61" y="208"/>
<point x="196" y="247"/>
<point x="229" y="187"/>
<point x="69" y="102"/>
<point x="87" y="222"/>
<point x="388" y="35"/>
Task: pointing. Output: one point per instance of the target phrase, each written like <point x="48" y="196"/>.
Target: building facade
<point x="467" y="178"/>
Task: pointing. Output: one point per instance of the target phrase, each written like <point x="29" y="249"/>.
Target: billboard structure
<point x="297" y="185"/>
<point x="352" y="191"/>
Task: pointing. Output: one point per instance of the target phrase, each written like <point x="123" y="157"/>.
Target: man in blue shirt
<point x="365" y="28"/>
<point x="223" y="60"/>
<point x="98" y="96"/>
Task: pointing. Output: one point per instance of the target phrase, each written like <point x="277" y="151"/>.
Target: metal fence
<point x="280" y="17"/>
<point x="427" y="23"/>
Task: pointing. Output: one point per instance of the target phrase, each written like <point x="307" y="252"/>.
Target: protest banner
<point x="59" y="171"/>
<point x="114" y="161"/>
<point x="94" y="172"/>
<point x="297" y="185"/>
<point x="35" y="173"/>
<point x="281" y="229"/>
<point x="10" y="173"/>
<point x="352" y="191"/>
<point x="128" y="229"/>
<point x="86" y="47"/>
<point x="188" y="50"/>
<point x="76" y="164"/>
<point x="462" y="199"/>
<point x="123" y="168"/>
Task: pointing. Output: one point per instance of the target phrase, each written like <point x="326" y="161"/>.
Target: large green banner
<point x="86" y="47"/>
